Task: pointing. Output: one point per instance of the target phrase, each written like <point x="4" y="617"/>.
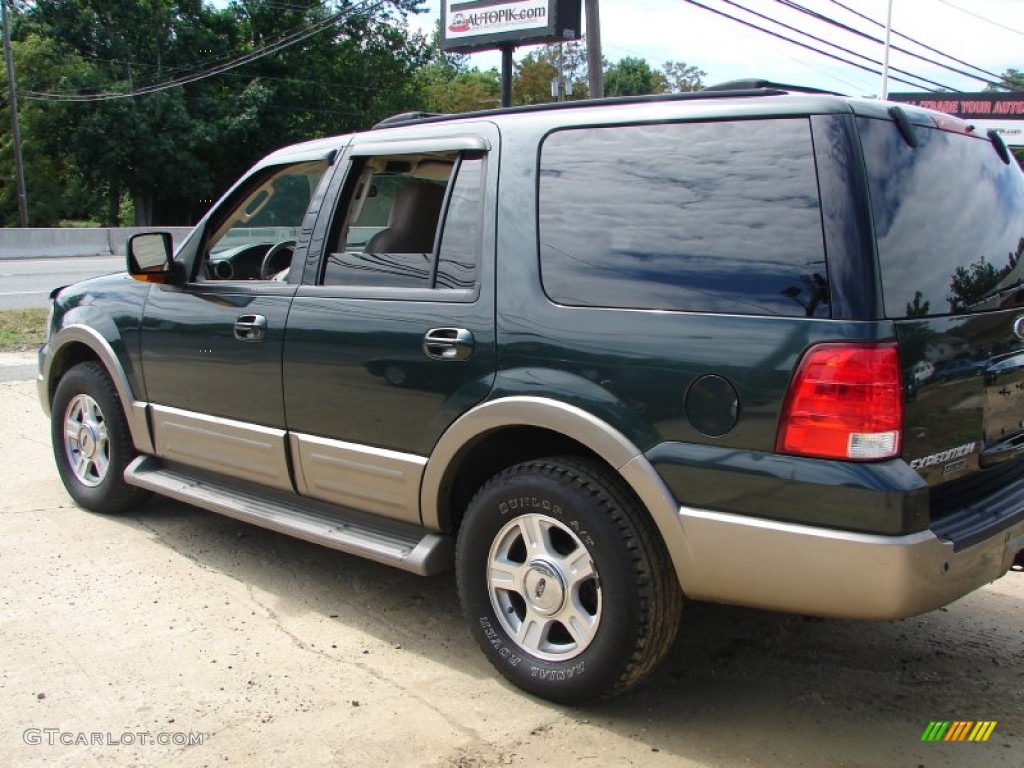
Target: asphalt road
<point x="25" y="283"/>
<point x="171" y="636"/>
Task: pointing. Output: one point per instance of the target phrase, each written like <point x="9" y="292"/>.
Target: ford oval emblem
<point x="1018" y="327"/>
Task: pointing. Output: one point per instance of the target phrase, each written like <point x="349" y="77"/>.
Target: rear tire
<point x="566" y="584"/>
<point x="91" y="442"/>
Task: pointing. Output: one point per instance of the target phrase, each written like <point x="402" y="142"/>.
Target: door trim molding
<point x="235" y="448"/>
<point x="362" y="477"/>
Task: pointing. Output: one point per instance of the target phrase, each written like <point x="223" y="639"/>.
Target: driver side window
<point x="255" y="237"/>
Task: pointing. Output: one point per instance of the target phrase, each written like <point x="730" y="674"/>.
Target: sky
<point x="663" y="30"/>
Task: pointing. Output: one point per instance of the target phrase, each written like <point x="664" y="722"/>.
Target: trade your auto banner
<point x="999" y="112"/>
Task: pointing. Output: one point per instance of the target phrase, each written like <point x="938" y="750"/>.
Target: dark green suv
<point x="599" y="358"/>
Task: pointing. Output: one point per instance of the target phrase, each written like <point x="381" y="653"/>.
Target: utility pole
<point x="561" y="72"/>
<point x="595" y="61"/>
<point x="12" y="93"/>
<point x="507" y="49"/>
<point x="885" y="66"/>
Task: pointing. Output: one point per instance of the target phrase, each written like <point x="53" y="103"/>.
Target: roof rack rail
<point x="406" y="117"/>
<point x="754" y="84"/>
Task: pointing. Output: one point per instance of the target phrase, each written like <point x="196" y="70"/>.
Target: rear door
<point x="391" y="336"/>
<point x="949" y="221"/>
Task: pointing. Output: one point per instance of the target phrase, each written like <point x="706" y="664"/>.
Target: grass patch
<point x="22" y="330"/>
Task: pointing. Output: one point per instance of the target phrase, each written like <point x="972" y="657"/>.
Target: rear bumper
<point x="815" y="571"/>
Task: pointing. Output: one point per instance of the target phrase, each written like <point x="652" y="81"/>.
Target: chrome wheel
<point x="86" y="441"/>
<point x="544" y="587"/>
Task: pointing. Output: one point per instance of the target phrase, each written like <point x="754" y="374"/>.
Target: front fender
<point x="64" y="341"/>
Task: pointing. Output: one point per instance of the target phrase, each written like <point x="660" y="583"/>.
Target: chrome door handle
<point x="250" y="327"/>
<point x="448" y="343"/>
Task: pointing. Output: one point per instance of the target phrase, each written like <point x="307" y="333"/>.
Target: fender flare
<point x="134" y="410"/>
<point x="568" y="420"/>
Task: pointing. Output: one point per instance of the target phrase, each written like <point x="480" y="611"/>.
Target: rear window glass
<point x="705" y="217"/>
<point x="949" y="218"/>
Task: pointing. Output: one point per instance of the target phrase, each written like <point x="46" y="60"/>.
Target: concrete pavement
<point x="173" y="636"/>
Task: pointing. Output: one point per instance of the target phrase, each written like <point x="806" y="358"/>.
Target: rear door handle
<point x="250" y="327"/>
<point x="448" y="343"/>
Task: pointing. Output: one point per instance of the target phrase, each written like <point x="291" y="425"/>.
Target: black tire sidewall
<point x="92" y="380"/>
<point x="596" y="670"/>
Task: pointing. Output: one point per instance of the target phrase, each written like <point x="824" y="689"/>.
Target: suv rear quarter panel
<point x="632" y="367"/>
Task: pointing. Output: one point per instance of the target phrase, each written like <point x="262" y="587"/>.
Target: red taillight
<point x="845" y="402"/>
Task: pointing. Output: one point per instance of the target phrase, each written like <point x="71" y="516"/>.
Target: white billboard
<point x="476" y="24"/>
<point x="468" y="19"/>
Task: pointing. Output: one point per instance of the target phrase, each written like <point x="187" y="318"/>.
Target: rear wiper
<point x="1000" y="146"/>
<point x="1014" y="286"/>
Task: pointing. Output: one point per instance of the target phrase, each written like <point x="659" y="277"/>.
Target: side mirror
<point x="151" y="257"/>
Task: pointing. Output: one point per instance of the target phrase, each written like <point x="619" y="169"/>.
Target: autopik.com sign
<point x="468" y="25"/>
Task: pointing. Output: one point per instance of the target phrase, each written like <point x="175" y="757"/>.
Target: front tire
<point x="565" y="581"/>
<point x="91" y="442"/>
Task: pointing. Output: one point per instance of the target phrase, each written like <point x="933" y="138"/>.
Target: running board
<point x="390" y="542"/>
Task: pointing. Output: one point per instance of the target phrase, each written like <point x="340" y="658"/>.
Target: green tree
<point x="171" y="151"/>
<point x="917" y="307"/>
<point x="532" y="81"/>
<point x="968" y="285"/>
<point x="1013" y="79"/>
<point x="55" y="189"/>
<point x="446" y="84"/>
<point x="465" y="92"/>
<point x="681" y="77"/>
<point x="633" y="76"/>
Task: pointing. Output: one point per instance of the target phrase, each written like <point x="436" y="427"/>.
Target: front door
<point x="211" y="349"/>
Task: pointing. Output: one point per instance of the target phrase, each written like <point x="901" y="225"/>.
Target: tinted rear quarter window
<point x="706" y="217"/>
<point x="949" y="220"/>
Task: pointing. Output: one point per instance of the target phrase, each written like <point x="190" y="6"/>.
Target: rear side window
<point x="409" y="221"/>
<point x="704" y="217"/>
<point x="949" y="220"/>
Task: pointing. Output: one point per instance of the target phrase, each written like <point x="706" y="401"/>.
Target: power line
<point x="280" y="44"/>
<point x="982" y="18"/>
<point x="847" y="28"/>
<point x="800" y="44"/>
<point x="270" y="78"/>
<point x="926" y="47"/>
<point x="831" y="44"/>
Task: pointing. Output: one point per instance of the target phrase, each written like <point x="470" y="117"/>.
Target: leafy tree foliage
<point x="446" y="84"/>
<point x="1013" y="79"/>
<point x="970" y="284"/>
<point x="56" y="190"/>
<point x="681" y="77"/>
<point x="173" y="151"/>
<point x="534" y="74"/>
<point x="633" y="76"/>
<point x="162" y="157"/>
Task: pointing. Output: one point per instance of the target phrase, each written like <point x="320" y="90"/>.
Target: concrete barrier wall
<point x="74" y="241"/>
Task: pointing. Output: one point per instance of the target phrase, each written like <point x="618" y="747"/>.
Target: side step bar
<point x="390" y="542"/>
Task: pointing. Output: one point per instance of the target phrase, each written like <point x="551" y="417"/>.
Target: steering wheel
<point x="278" y="258"/>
